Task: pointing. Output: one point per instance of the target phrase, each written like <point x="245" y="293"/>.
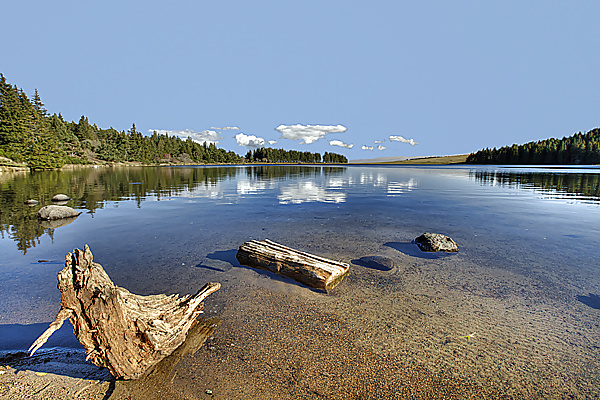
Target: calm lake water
<point x="524" y="285"/>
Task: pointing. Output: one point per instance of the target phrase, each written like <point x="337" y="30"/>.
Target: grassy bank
<point x="443" y="160"/>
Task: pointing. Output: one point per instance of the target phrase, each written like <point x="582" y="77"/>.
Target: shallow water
<point x="513" y="313"/>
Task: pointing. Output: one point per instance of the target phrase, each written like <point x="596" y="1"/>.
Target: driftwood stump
<point x="314" y="271"/>
<point x="121" y="331"/>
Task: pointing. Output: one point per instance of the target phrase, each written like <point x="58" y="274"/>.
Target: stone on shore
<point x="31" y="202"/>
<point x="56" y="212"/>
<point x="377" y="262"/>
<point x="61" y="197"/>
<point x="436" y="242"/>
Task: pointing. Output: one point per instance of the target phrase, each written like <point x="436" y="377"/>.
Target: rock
<point x="61" y="197"/>
<point x="56" y="212"/>
<point x="436" y="242"/>
<point x="377" y="262"/>
<point x="32" y="202"/>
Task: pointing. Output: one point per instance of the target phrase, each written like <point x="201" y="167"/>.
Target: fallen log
<point x="311" y="270"/>
<point x="121" y="331"/>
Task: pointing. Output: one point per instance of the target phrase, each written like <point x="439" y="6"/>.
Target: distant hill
<point x="439" y="160"/>
<point x="377" y="160"/>
<point x="577" y="149"/>
<point x="434" y="160"/>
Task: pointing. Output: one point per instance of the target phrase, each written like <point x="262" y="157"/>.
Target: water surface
<point x="513" y="312"/>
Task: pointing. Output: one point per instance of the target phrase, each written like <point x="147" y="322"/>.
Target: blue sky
<point x="453" y="76"/>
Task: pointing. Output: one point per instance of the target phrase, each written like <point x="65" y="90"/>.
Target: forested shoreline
<point x="577" y="149"/>
<point x="30" y="135"/>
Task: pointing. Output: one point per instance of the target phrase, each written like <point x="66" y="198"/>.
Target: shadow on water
<point x="378" y="263"/>
<point x="20" y="337"/>
<point x="411" y="249"/>
<point x="229" y="257"/>
<point x="225" y="260"/>
<point x="62" y="354"/>
<point x="200" y="265"/>
<point x="592" y="300"/>
<point x="156" y="381"/>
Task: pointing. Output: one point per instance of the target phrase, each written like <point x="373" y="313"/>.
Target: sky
<point x="363" y="79"/>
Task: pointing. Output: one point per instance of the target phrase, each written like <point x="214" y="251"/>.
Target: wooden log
<point x="311" y="270"/>
<point x="121" y="331"/>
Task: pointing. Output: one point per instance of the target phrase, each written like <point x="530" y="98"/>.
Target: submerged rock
<point x="61" y="197"/>
<point x="436" y="242"/>
<point x="377" y="262"/>
<point x="56" y="212"/>
<point x="31" y="202"/>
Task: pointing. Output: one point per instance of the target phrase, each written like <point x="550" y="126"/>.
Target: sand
<point x="445" y="327"/>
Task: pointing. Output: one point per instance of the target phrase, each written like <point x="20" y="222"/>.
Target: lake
<point x="515" y="313"/>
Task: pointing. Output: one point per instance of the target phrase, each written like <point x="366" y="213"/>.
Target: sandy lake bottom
<point x="513" y="315"/>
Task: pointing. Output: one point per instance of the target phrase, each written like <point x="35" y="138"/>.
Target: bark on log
<point x="309" y="269"/>
<point x="121" y="331"/>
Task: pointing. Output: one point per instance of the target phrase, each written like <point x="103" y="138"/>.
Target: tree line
<point x="267" y="154"/>
<point x="29" y="134"/>
<point x="577" y="149"/>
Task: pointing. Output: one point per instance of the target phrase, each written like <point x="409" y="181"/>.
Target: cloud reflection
<point x="397" y="188"/>
<point x="252" y="186"/>
<point x="307" y="192"/>
<point x="376" y="179"/>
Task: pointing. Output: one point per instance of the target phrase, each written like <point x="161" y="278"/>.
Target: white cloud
<point x="340" y="143"/>
<point x="380" y="147"/>
<point x="367" y="147"/>
<point x="202" y="137"/>
<point x="403" y="140"/>
<point x="380" y="141"/>
<point x="226" y="128"/>
<point x="272" y="141"/>
<point x="249" y="140"/>
<point x="308" y="133"/>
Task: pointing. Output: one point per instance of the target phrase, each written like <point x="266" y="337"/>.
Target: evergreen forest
<point x="30" y="135"/>
<point x="577" y="149"/>
<point x="283" y="156"/>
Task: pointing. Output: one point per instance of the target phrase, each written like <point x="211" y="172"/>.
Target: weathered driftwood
<point x="311" y="270"/>
<point x="121" y="331"/>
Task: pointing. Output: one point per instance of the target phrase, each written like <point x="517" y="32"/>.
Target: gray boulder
<point x="436" y="242"/>
<point x="377" y="262"/>
<point x="31" y="202"/>
<point x="61" y="197"/>
<point x="56" y="212"/>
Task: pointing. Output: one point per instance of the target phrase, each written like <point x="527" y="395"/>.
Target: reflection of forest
<point x="582" y="185"/>
<point x="91" y="187"/>
<point x="268" y="172"/>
